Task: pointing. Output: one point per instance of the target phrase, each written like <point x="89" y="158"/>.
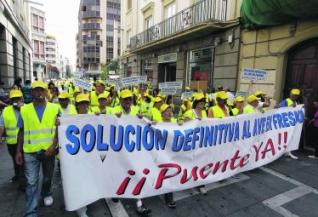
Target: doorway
<point x="167" y="72"/>
<point x="302" y="73"/>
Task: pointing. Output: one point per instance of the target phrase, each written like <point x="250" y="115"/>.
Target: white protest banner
<point x="86" y="85"/>
<point x="254" y="74"/>
<point x="111" y="157"/>
<point x="175" y="84"/>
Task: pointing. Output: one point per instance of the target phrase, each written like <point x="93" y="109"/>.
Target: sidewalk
<point x="284" y="188"/>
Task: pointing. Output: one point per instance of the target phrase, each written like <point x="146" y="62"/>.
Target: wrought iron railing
<point x="203" y="11"/>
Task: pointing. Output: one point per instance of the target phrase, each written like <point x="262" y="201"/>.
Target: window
<point x="170" y="10"/>
<point x="34" y="20"/>
<point x="128" y="5"/>
<point x="41" y="49"/>
<point x="128" y="36"/>
<point x="148" y="22"/>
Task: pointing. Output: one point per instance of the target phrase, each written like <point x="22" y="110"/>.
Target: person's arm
<point x="19" y="155"/>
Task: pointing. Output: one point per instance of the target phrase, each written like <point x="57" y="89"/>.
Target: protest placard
<point x="85" y="85"/>
<point x="175" y="84"/>
<point x="254" y="74"/>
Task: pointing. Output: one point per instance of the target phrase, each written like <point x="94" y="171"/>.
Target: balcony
<point x="91" y="26"/>
<point x="90" y="14"/>
<point x="203" y="12"/>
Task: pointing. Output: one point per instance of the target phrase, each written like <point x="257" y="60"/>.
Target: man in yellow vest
<point x="99" y="89"/>
<point x="126" y="104"/>
<point x="220" y="110"/>
<point x="64" y="104"/>
<point x="8" y="126"/>
<point x="291" y="101"/>
<point x="37" y="143"/>
<point x="252" y="105"/>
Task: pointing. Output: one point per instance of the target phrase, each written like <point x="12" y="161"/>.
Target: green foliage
<point x="112" y="66"/>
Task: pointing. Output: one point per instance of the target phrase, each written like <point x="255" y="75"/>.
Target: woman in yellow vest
<point x="155" y="114"/>
<point x="167" y="116"/>
<point x="82" y="104"/>
<point x="8" y="125"/>
<point x="198" y="108"/>
<point x="65" y="104"/>
<point x="220" y="110"/>
<point x="239" y="106"/>
<point x="102" y="108"/>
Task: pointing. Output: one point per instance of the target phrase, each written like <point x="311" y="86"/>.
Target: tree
<point x="112" y="66"/>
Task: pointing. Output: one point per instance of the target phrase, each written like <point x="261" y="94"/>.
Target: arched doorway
<point x="302" y="72"/>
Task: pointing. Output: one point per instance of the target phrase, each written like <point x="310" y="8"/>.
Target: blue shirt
<point x="39" y="111"/>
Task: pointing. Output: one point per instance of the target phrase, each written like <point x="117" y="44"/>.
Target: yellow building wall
<point x="267" y="49"/>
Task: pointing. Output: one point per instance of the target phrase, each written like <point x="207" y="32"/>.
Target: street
<point x="284" y="188"/>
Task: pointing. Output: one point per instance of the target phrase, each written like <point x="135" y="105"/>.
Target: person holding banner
<point x="155" y="114"/>
<point x="251" y="107"/>
<point x="99" y="89"/>
<point x="64" y="104"/>
<point x="102" y="108"/>
<point x="291" y="102"/>
<point x="198" y="108"/>
<point x="167" y="116"/>
<point x="239" y="106"/>
<point x="126" y="104"/>
<point x="186" y="106"/>
<point x="220" y="110"/>
<point x="82" y="103"/>
<point x="197" y="112"/>
<point x="37" y="143"/>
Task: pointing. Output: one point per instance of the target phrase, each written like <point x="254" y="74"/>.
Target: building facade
<point x="15" y="43"/>
<point x="196" y="42"/>
<point x="52" y="57"/>
<point x="39" y="43"/>
<point x="97" y="43"/>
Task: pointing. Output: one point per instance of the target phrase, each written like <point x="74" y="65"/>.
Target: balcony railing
<point x="201" y="12"/>
<point x="91" y="14"/>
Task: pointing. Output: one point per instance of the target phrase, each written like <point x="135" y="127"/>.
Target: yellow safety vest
<point x="289" y="102"/>
<point x="94" y="99"/>
<point x="235" y="111"/>
<point x="156" y="115"/>
<point x="218" y="112"/>
<point x="248" y="109"/>
<point x="191" y="115"/>
<point x="107" y="111"/>
<point x="10" y="125"/>
<point x="118" y="109"/>
<point x="70" y="110"/>
<point x="38" y="135"/>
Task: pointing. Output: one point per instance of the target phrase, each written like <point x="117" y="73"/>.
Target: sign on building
<point x="254" y="74"/>
<point x="167" y="58"/>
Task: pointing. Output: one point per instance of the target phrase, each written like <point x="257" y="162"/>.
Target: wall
<point x="267" y="49"/>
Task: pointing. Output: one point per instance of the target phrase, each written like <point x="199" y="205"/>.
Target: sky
<point x="62" y="22"/>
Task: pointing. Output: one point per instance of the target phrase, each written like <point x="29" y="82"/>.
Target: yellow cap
<point x="15" y="94"/>
<point x="103" y="95"/>
<point x="157" y="99"/>
<point x="239" y="99"/>
<point x="198" y="96"/>
<point x="64" y="95"/>
<point x="125" y="94"/>
<point x="222" y="95"/>
<point x="162" y="95"/>
<point x="164" y="107"/>
<point x="100" y="82"/>
<point x="257" y="93"/>
<point x="252" y="98"/>
<point x="230" y="102"/>
<point x="188" y="88"/>
<point x="82" y="97"/>
<point x="295" y="92"/>
<point x="40" y="84"/>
